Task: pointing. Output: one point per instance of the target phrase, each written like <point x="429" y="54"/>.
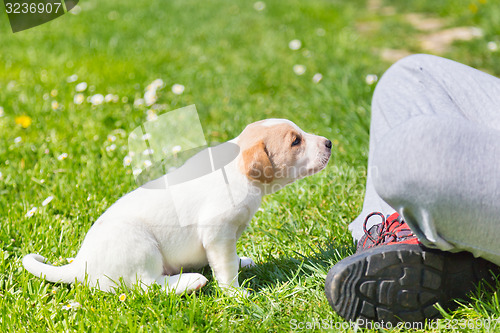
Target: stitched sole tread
<point x="402" y="282"/>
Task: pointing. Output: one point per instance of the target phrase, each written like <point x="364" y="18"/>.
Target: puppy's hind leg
<point x="185" y="282"/>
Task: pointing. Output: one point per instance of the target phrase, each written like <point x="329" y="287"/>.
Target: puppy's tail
<point x="35" y="264"/>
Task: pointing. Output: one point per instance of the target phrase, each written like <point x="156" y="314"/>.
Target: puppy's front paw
<point x="246" y="262"/>
<point x="196" y="282"/>
<point x="184" y="283"/>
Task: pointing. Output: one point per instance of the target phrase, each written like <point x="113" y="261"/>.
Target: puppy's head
<point x="278" y="152"/>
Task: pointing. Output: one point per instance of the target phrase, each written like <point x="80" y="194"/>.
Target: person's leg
<point x="443" y="176"/>
<point x="434" y="148"/>
<point x="423" y="85"/>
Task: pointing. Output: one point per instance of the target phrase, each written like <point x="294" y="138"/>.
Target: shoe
<point x="392" y="230"/>
<point x="392" y="277"/>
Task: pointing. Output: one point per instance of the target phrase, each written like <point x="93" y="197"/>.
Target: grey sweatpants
<point x="435" y="154"/>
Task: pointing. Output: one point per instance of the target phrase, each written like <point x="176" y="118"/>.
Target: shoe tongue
<point x="404" y="233"/>
<point x="392" y="222"/>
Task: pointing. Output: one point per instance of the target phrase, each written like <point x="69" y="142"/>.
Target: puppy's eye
<point x="297" y="141"/>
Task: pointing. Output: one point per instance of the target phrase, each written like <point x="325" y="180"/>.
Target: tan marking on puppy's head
<point x="256" y="163"/>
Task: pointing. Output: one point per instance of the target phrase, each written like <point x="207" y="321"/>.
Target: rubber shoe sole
<point x="402" y="282"/>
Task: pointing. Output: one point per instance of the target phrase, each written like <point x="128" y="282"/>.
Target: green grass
<point x="237" y="68"/>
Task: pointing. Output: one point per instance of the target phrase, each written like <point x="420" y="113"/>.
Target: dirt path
<point x="436" y="34"/>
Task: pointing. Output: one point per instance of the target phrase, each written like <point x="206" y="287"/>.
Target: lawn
<point x="62" y="154"/>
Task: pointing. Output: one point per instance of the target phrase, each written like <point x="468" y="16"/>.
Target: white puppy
<point x="156" y="233"/>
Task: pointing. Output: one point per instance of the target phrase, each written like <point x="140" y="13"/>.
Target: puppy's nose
<point x="328" y="144"/>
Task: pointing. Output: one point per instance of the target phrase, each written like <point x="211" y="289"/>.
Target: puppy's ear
<point x="256" y="163"/>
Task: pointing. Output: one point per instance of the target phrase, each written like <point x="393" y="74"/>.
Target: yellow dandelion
<point x="473" y="8"/>
<point x="122" y="297"/>
<point x="24" y="121"/>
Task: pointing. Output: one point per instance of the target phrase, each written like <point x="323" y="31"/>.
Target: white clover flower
<point x="371" y="79"/>
<point x="147" y="163"/>
<point x="18" y="139"/>
<point x="78" y="99"/>
<point x="148" y="151"/>
<point x="299" y="69"/>
<point x="109" y="98"/>
<point x="317" y="77"/>
<point x="63" y="156"/>
<point x="127" y="160"/>
<point x="72" y="305"/>
<point x="31" y="212"/>
<point x="157" y="84"/>
<point x="150" y="97"/>
<point x="97" y="99"/>
<point x="320" y="32"/>
<point x="111" y="138"/>
<point x="47" y="201"/>
<point x="492" y="46"/>
<point x="136" y="172"/>
<point x="152" y="116"/>
<point x="82" y="86"/>
<point x="72" y="78"/>
<point x="1" y="112"/>
<point x="54" y="105"/>
<point x="138" y="102"/>
<point x="177" y="89"/>
<point x="113" y="15"/>
<point x="295" y="44"/>
<point x="259" y="6"/>
<point x="111" y="148"/>
<point x="176" y="149"/>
